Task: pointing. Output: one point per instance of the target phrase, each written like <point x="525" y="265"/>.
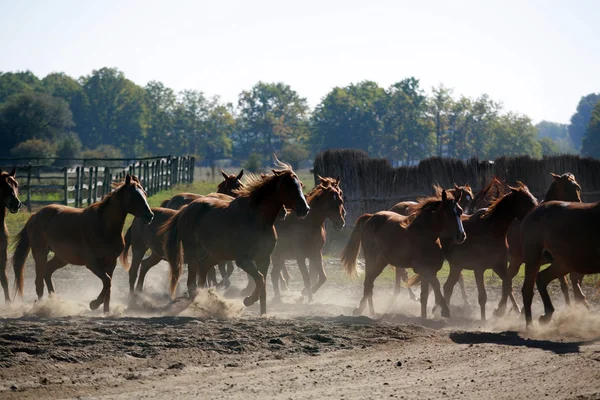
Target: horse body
<point x="299" y="239"/>
<point x="213" y="230"/>
<point x="9" y="201"/>
<point x="405" y="242"/>
<point x="91" y="237"/>
<point x="569" y="233"/>
<point x="486" y="245"/>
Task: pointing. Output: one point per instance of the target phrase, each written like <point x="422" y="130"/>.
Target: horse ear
<point x="467" y="185"/>
<point x="240" y="175"/>
<point x="458" y="196"/>
<point x="337" y="181"/>
<point x="127" y="179"/>
<point x="225" y="176"/>
<point x="513" y="189"/>
<point x="13" y="172"/>
<point x="556" y="177"/>
<point x="444" y="195"/>
<point x="456" y="187"/>
<point x="275" y="172"/>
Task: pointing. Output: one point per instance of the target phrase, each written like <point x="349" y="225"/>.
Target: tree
<point x="439" y="109"/>
<point x="161" y="103"/>
<point x="270" y="114"/>
<point x="293" y="153"/>
<point x="12" y="83"/>
<point x="34" y="148"/>
<point x="581" y="118"/>
<point x="61" y="85"/>
<point x="32" y="115"/>
<point x="591" y="140"/>
<point x="549" y="146"/>
<point x="514" y="135"/>
<point x="559" y="133"/>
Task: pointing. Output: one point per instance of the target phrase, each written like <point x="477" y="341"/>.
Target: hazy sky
<point x="537" y="57"/>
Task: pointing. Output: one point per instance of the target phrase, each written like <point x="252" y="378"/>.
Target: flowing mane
<point x="423" y="205"/>
<point x="497" y="205"/>
<point x="116" y="186"/>
<point x="254" y="183"/>
<point x="319" y="189"/>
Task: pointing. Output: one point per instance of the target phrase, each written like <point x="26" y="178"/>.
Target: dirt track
<point x="156" y="349"/>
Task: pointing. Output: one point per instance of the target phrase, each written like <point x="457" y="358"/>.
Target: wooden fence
<point x="83" y="185"/>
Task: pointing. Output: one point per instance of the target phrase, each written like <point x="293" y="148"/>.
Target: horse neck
<point x="552" y="194"/>
<point x="502" y="216"/>
<point x="3" y="212"/>
<point x="318" y="212"/>
<point x="426" y="225"/>
<point x="268" y="206"/>
<point x="113" y="215"/>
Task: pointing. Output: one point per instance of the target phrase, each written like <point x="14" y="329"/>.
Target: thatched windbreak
<point x="371" y="185"/>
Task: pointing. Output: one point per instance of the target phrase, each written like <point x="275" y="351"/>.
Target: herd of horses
<point x="267" y="219"/>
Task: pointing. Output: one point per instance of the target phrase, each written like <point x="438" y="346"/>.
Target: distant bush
<point x="68" y="146"/>
<point x="103" y="151"/>
<point x="34" y="148"/>
<point x="253" y="162"/>
<point x="293" y="153"/>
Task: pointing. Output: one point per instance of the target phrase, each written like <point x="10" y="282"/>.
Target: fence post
<point x="107" y="186"/>
<point x="77" y="187"/>
<point x="91" y="173"/>
<point x="169" y="172"/>
<point x="66" y="170"/>
<point x="161" y="175"/>
<point x="192" y="168"/>
<point x="29" y="188"/>
<point x="96" y="184"/>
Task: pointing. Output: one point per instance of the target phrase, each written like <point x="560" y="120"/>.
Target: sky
<point x="536" y="57"/>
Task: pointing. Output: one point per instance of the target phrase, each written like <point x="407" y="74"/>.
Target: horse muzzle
<point x="339" y="225"/>
<point x="460" y="238"/>
<point x="14" y="206"/>
<point x="147" y="218"/>
<point x="302" y="211"/>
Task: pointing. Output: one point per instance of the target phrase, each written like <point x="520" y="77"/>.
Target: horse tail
<point x="413" y="281"/>
<point x="22" y="248"/>
<point x="169" y="231"/>
<point x="350" y="252"/>
<point x="125" y="253"/>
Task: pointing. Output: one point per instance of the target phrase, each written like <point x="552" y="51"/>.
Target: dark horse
<point x="9" y="200"/>
<point x="569" y="233"/>
<point x="212" y="230"/>
<point x="486" y="245"/>
<point x="299" y="239"/>
<point x="405" y="208"/>
<point x="564" y="187"/>
<point x="405" y="242"/>
<point x="92" y="237"/>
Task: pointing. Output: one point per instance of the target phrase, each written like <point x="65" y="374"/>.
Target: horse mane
<point x="424" y="204"/>
<point x="256" y="182"/>
<point x="116" y="186"/>
<point x="497" y="204"/>
<point x="319" y="189"/>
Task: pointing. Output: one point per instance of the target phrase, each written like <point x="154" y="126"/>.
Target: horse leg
<point x="191" y="281"/>
<point x="316" y="262"/>
<point x="111" y="270"/>
<point x="277" y="265"/>
<point x="136" y="260"/>
<point x="225" y="283"/>
<point x="3" y="276"/>
<point x="375" y="272"/>
<point x="554" y="271"/>
<point x="481" y="294"/>
<point x="51" y="266"/>
<point x="564" y="288"/>
<point x="211" y="278"/>
<point x="576" y="279"/>
<point x="532" y="268"/>
<point x="404" y="276"/>
<point x="453" y="277"/>
<point x="106" y="279"/>
<point x="463" y="291"/>
<point x="501" y="270"/>
<point x="439" y="298"/>
<point x="40" y="256"/>
<point x="258" y="278"/>
<point x="305" y="279"/>
<point x="262" y="265"/>
<point x="250" y="287"/>
<point x="513" y="269"/>
<point x="284" y="277"/>
<point x="146" y="265"/>
<point x="314" y="273"/>
<point x="424" y="297"/>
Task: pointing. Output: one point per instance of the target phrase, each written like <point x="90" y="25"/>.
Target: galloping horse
<point x="212" y="230"/>
<point x="298" y="239"/>
<point x="569" y="233"/>
<point x="405" y="208"/>
<point x="9" y="200"/>
<point x="486" y="246"/>
<point x="228" y="186"/>
<point x="406" y="242"/>
<point x="564" y="187"/>
<point x="92" y="237"/>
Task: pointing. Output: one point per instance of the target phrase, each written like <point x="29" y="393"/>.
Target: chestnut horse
<point x="228" y="186"/>
<point x="486" y="245"/>
<point x="92" y="237"/>
<point x="299" y="239"/>
<point x="405" y="242"/>
<point x="212" y="230"/>
<point x="141" y="237"/>
<point x="405" y="208"/>
<point x="569" y="232"/>
<point x="564" y="187"/>
<point x="9" y="200"/>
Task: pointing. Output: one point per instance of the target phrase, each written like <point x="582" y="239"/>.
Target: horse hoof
<point x="357" y="312"/>
<point x="545" y="319"/>
<point x="247" y="292"/>
<point x="248" y="301"/>
<point x="445" y="313"/>
<point x="305" y="292"/>
<point x="498" y="312"/>
<point x="94" y="304"/>
<point x="436" y="309"/>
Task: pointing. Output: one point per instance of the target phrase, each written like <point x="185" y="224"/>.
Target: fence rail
<point x="84" y="185"/>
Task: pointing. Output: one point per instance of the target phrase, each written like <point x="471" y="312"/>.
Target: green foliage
<point x="69" y="146"/>
<point x="591" y="141"/>
<point x="581" y="118"/>
<point x="34" y="148"/>
<point x="293" y="153"/>
<point x="549" y="146"/>
<point x="32" y="115"/>
<point x="253" y="163"/>
<point x="12" y="83"/>
<point x="103" y="151"/>
<point x="514" y="135"/>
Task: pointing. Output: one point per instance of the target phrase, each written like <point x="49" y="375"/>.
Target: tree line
<point x="104" y="114"/>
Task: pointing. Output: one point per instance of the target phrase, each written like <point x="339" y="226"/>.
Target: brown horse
<point x="92" y="237"/>
<point x="569" y="233"/>
<point x="299" y="239"/>
<point x="486" y="245"/>
<point x="141" y="237"/>
<point x="486" y="196"/>
<point x="564" y="187"/>
<point x="405" y="208"/>
<point x="405" y="242"/>
<point x="9" y="200"/>
<point x="212" y="230"/>
<point x="228" y="187"/>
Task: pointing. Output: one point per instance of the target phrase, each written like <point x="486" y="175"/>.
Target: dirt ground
<point x="213" y="347"/>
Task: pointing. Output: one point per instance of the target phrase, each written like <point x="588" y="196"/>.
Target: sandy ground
<point x="213" y="347"/>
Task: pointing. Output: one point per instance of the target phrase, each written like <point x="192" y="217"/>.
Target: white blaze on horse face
<point x="300" y="191"/>
<point x="143" y="196"/>
<point x="461" y="229"/>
